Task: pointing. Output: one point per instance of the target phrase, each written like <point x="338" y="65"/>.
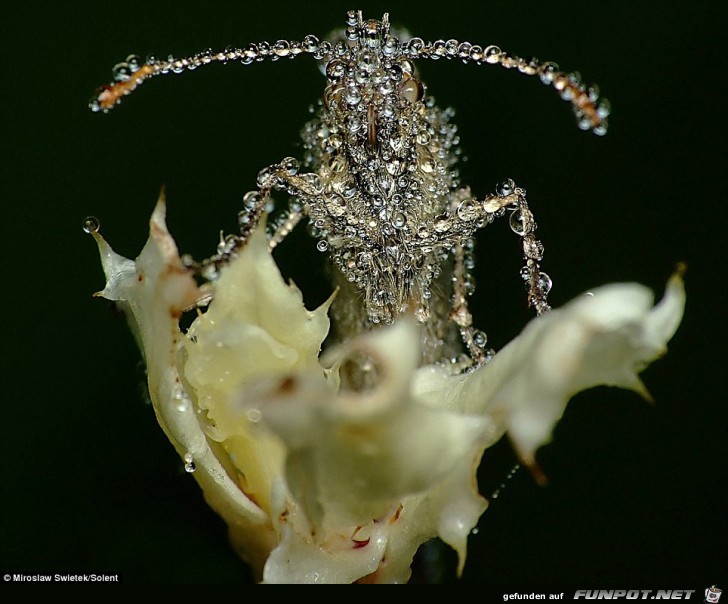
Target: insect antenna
<point x="591" y="110"/>
<point x="132" y="72"/>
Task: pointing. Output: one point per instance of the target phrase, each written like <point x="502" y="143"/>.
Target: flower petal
<point x="604" y="338"/>
<point x="153" y="291"/>
<point x="256" y="326"/>
<point x="360" y="457"/>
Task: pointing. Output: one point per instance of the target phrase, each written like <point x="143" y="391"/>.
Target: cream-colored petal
<point x="370" y="458"/>
<point x="322" y="483"/>
<point x="153" y="291"/>
<point x="604" y="338"/>
<point x="256" y="326"/>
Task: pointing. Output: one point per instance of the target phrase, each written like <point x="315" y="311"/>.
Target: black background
<point x="637" y="494"/>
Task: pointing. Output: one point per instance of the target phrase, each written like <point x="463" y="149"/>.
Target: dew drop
<point x="349" y="190"/>
<point x="467" y="210"/>
<point x="353" y="123"/>
<point x="442" y="223"/>
<point x="480" y="339"/>
<point x="189" y="463"/>
<point x="291" y="165"/>
<point x="601" y="129"/>
<point x="314" y="182"/>
<point x="251" y="199"/>
<point x="492" y="53"/>
<point x="91" y="225"/>
<point x="265" y="176"/>
<point x="604" y="108"/>
<point x="399" y="220"/>
<point x="322" y="245"/>
<point x="121" y="72"/>
<point x="516" y="222"/>
<point x="584" y="123"/>
<point x="134" y="62"/>
<point x="352" y="95"/>
<point x="506" y="187"/>
<point x="545" y="282"/>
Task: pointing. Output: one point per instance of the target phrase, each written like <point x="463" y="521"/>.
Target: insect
<point x="378" y="181"/>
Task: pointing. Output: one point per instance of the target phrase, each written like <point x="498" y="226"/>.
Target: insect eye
<point x="411" y="90"/>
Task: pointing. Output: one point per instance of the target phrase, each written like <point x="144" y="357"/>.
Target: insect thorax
<point x="385" y="156"/>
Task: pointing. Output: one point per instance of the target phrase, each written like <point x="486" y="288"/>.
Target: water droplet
<point x="314" y="182"/>
<point x="584" y="123"/>
<point x="291" y="165"/>
<point x="516" y="222"/>
<point x="353" y="123"/>
<point x="506" y="187"/>
<point x="399" y="220"/>
<point x="474" y="531"/>
<point x="91" y="225"/>
<point x="467" y="210"/>
<point x="492" y="54"/>
<point x="189" y="463"/>
<point x="386" y="87"/>
<point x="251" y="199"/>
<point x="353" y="95"/>
<point x="336" y="141"/>
<point x="121" y="72"/>
<point x="411" y="90"/>
<point x="604" y="108"/>
<point x="266" y="177"/>
<point x="322" y="245"/>
<point x="479" y="338"/>
<point x="442" y="223"/>
<point x="134" y="62"/>
<point x="545" y="282"/>
<point x="310" y="43"/>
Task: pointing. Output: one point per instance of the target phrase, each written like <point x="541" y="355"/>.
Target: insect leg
<point x="475" y="340"/>
<point x="522" y="223"/>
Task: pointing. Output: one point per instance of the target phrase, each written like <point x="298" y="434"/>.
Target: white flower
<point x="322" y="484"/>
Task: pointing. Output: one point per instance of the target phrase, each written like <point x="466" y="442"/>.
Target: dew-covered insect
<point x="335" y="463"/>
<point x="378" y="181"/>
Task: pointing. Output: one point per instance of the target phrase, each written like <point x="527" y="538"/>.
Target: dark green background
<point x="637" y="494"/>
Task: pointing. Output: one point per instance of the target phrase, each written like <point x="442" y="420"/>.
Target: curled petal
<point x="603" y="338"/>
<point x="376" y="457"/>
<point x="153" y="291"/>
